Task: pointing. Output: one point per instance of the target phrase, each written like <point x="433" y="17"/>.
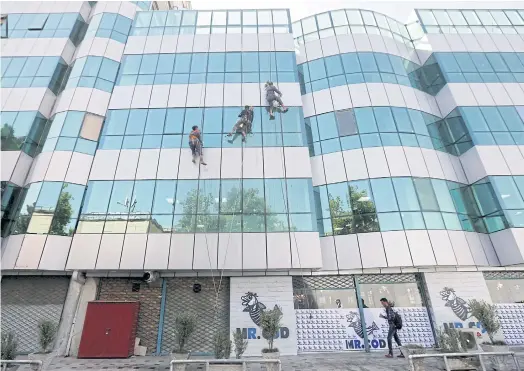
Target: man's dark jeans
<point x="392" y="333"/>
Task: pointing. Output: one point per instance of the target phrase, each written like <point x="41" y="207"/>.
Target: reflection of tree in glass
<point x="63" y="213"/>
<point x="22" y="222"/>
<point x="231" y="207"/>
<point x="362" y="217"/>
<point x="9" y="141"/>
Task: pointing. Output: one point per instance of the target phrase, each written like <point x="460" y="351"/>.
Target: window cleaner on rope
<point x="274" y="99"/>
<point x="195" y="143"/>
<point x="244" y="124"/>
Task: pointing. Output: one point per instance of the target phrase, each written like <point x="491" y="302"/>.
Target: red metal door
<point x="109" y="330"/>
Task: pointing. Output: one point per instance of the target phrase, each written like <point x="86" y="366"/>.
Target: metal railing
<point x="208" y="362"/>
<point x="36" y="365"/>
<point x="479" y="355"/>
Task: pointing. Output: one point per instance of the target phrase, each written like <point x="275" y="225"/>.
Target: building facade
<point x="397" y="171"/>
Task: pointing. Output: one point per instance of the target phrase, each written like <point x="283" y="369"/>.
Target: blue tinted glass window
<point x="285" y="61"/>
<point x="317" y="69"/>
<point x="351" y="63"/>
<point x="385" y="121"/>
<point x="384" y="65"/>
<point x="383" y="195"/>
<point x="199" y="63"/>
<point x="365" y="120"/>
<point x="108" y="69"/>
<point x="481" y="62"/>
<point x="406" y="195"/>
<point x="327" y="125"/>
<point x="511" y="118"/>
<point x="115" y="123"/>
<point x="474" y="118"/>
<point x="250" y="62"/>
<point x="97" y="197"/>
<point x="465" y="62"/>
<point x="131" y="64"/>
<point x="148" y="65"/>
<point x="155" y="121"/>
<point x="233" y="62"/>
<point x="108" y="20"/>
<point x="494" y="119"/>
<point x="367" y="61"/>
<point x="166" y="63"/>
<point x="182" y="63"/>
<point x="72" y="124"/>
<point x="136" y="121"/>
<point x="216" y="62"/>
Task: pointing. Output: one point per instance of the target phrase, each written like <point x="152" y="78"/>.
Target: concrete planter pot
<point x="225" y="367"/>
<point x="457" y="364"/>
<point x="271" y="355"/>
<point x="179" y="357"/>
<point x="417" y="363"/>
<point x="499" y="363"/>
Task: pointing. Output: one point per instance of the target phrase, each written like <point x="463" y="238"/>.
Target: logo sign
<point x="250" y="298"/>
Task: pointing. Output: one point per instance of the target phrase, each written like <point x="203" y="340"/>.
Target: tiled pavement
<point x="353" y="361"/>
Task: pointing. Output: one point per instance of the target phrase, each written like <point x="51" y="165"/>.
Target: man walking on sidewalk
<point x="394" y="323"/>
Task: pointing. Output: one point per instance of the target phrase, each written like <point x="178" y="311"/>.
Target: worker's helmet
<point x="247" y="106"/>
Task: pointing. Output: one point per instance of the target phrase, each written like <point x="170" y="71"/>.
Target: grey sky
<point x="399" y="10"/>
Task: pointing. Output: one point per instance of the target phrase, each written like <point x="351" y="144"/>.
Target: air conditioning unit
<point x="470" y="336"/>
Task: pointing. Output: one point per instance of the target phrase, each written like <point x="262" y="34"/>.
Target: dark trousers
<point x="392" y="333"/>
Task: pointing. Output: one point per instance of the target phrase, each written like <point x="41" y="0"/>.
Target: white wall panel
<point x="445" y="100"/>
<point x="56" y="250"/>
<point x="455" y="42"/>
<point x="231" y="163"/>
<point x="234" y="42"/>
<point x="362" y="43"/>
<point x="391" y="46"/>
<point x="251" y="94"/>
<point x="493" y="160"/>
<point x="196" y="95"/>
<point x="376" y="162"/>
<point x="491" y="254"/>
<point x="147" y="164"/>
<point x="317" y="169"/>
<point x="377" y="94"/>
<point x="313" y="50"/>
<point x="475" y="246"/>
<point x="181" y="251"/>
<point x="157" y="251"/>
<point x="12" y="248"/>
<point x="141" y="96"/>
<point x="447" y="167"/>
<point x="273" y="162"/>
<point x="329" y="254"/>
<point x="300" y="52"/>
<point x="514" y="159"/>
<point x="217" y="43"/>
<point x="486" y="43"/>
<point x="230" y="251"/>
<point x="104" y="165"/>
<point x="169" y="43"/>
<point x="58" y="166"/>
<point x="114" y="50"/>
<point x="396" y="249"/>
<point x="33" y="99"/>
<point x="420" y="247"/>
<point x="359" y="95"/>
<point x="254" y="251"/>
<point x="442" y="248"/>
<point x="348" y="252"/>
<point x="214" y="94"/>
<point x="31" y="251"/>
<point x="410" y="98"/>
<point x="284" y="42"/>
<point x="291" y="94"/>
<point x="9" y="160"/>
<point x="472" y="165"/>
<point x="372" y="250"/>
<point x="459" y="171"/>
<point x="153" y="44"/>
<point x="206" y="251"/>
<point x="471" y="43"/>
<point x="38" y="169"/>
<point x="185" y="43"/>
<point x="135" y="45"/>
<point x="98" y="102"/>
<point x="395" y="97"/>
<point x="232" y="94"/>
<point x="329" y="46"/>
<point x="416" y="163"/>
<point x="305" y="250"/>
<point x="55" y="47"/>
<point x="377" y="43"/>
<point x="16" y="97"/>
<point x="82" y="50"/>
<point x="48" y="102"/>
<point x="355" y="164"/>
<point x="84" y="251"/>
<point x="159" y="96"/>
<point x="432" y="163"/>
<point x="121" y="97"/>
<point x="186" y="168"/>
<point x="346" y="44"/>
<point x="323" y="102"/>
<point x="438" y="43"/>
<point x="482" y="95"/>
<point x="499" y="94"/>
<point x="461" y="248"/>
<point x="516" y="43"/>
<point x="79" y="167"/>
<point x="297" y="162"/>
<point x="334" y="168"/>
<point x="308" y="105"/>
<point x="212" y="157"/>
<point x="506" y="247"/>
<point x="39" y="48"/>
<point x="98" y="47"/>
<point x="23" y="165"/>
<point x="4" y="94"/>
<point x="177" y="95"/>
<point x="127" y="164"/>
<point x="397" y="162"/>
<point x="168" y="163"/>
<point x="110" y="251"/>
<point x="253" y="163"/>
<point x="134" y="251"/>
<point x="341" y="98"/>
<point x="423" y="102"/>
<point x="515" y="92"/>
<point x="250" y="42"/>
<point x="278" y="251"/>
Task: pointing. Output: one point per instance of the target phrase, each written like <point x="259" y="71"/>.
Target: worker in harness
<point x="195" y="143"/>
<point x="244" y="124"/>
<point x="274" y="95"/>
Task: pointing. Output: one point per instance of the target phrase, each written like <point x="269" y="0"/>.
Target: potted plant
<point x="450" y="341"/>
<point x="412" y="349"/>
<point x="46" y="334"/>
<point x="240" y="343"/>
<point x="270" y="323"/>
<point x="487" y="315"/>
<point x="185" y="324"/>
<point x="9" y="345"/>
<point x="222" y="349"/>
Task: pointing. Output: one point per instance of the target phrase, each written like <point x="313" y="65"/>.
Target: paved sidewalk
<point x="350" y="361"/>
